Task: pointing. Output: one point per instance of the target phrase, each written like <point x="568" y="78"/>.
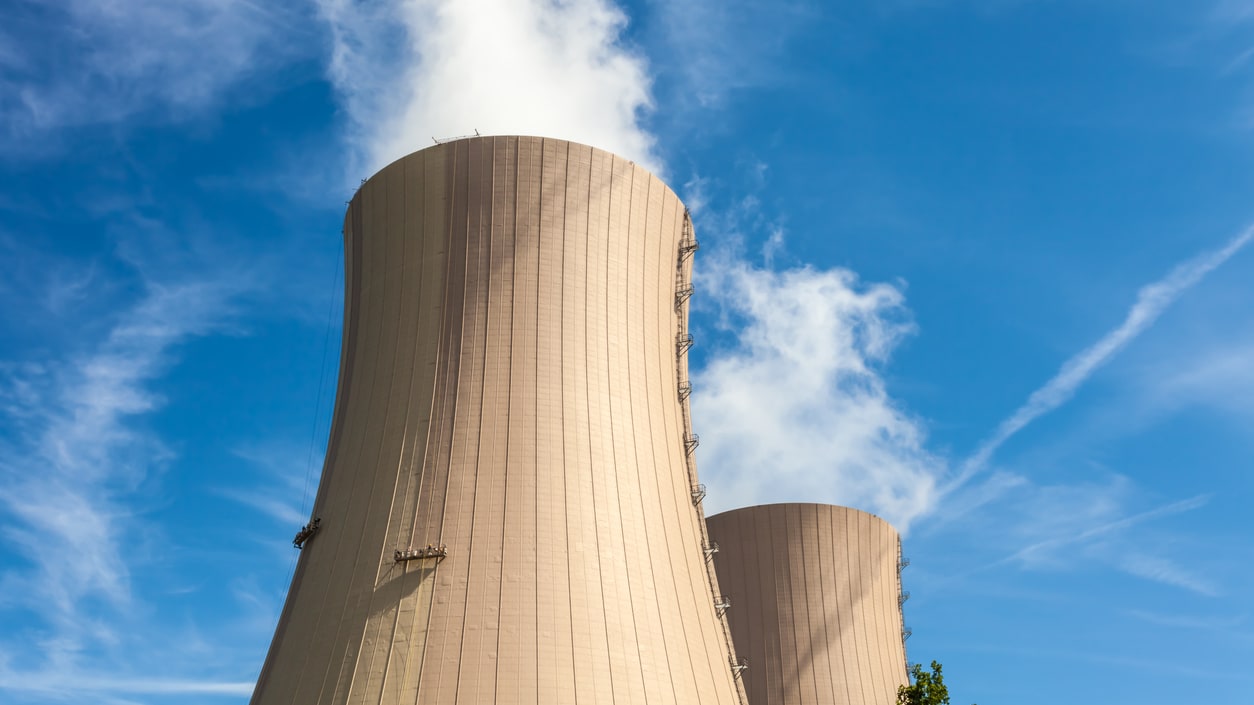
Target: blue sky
<point x="979" y="266"/>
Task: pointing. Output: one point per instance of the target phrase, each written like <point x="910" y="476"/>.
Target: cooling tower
<point x="815" y="597"/>
<point x="508" y="512"/>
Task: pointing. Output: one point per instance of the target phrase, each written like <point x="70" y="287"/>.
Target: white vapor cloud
<point x="798" y="400"/>
<point x="796" y="410"/>
<point x="1151" y="301"/>
<point x="411" y="71"/>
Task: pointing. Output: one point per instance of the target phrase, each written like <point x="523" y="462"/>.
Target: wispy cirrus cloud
<point x="1152" y="300"/>
<point x="1233" y="11"/>
<point x="720" y="46"/>
<point x="1181" y="621"/>
<point x="1092" y="525"/>
<point x="410" y="71"/>
<point x="1167" y="572"/>
<point x="1220" y="377"/>
<point x="284" y="473"/>
<point x="82" y="62"/>
<point x="1066" y="513"/>
<point x="73" y="457"/>
<point x="61" y="685"/>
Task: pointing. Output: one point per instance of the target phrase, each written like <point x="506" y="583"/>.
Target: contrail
<point x="1184" y="505"/>
<point x="1151" y="301"/>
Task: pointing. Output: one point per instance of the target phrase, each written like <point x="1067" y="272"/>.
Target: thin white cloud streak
<point x="1216" y="624"/>
<point x="77" y="457"/>
<point x="1151" y="301"/>
<point x="1105" y="542"/>
<point x="280" y="476"/>
<point x="411" y="71"/>
<point x="65" y="685"/>
<point x="1109" y="527"/>
<point x="283" y="512"/>
<point x="1157" y="668"/>
<point x="1221" y="378"/>
<point x="87" y="62"/>
<point x="1232" y="11"/>
<point x="1063" y="528"/>
<point x="796" y="409"/>
<point x="721" y="46"/>
<point x="1161" y="570"/>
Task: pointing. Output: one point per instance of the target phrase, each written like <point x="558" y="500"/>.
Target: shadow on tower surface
<point x="509" y="391"/>
<point x="814" y="603"/>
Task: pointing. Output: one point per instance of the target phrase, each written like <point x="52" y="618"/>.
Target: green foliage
<point x="925" y="688"/>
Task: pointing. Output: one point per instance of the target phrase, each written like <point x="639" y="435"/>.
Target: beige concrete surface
<point x="509" y="391"/>
<point x="814" y="603"/>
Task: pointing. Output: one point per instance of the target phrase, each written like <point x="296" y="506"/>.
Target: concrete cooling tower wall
<point x="507" y="512"/>
<point x="814" y="603"/>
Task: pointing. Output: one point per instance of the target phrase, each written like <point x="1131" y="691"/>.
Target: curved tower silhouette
<point x="816" y="603"/>
<point x="508" y="512"/>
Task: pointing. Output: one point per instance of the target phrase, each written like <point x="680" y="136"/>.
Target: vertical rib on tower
<point x="816" y="604"/>
<point x="509" y="391"/>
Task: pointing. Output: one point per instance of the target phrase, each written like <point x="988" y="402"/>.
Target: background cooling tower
<point x="507" y="510"/>
<point x="814" y="603"/>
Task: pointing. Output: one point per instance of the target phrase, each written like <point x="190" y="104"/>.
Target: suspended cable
<point x="322" y="376"/>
